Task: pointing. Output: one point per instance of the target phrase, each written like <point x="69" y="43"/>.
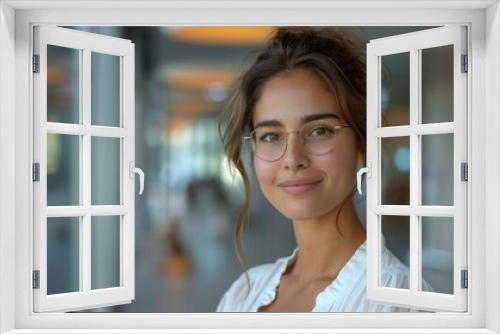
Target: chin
<point x="307" y="209"/>
<point x="303" y="213"/>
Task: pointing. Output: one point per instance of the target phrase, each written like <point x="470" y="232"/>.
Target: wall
<point x="491" y="166"/>
<point x="7" y="158"/>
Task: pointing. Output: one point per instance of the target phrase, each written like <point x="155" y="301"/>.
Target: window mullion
<point x="86" y="166"/>
<point x="418" y="191"/>
<point x="414" y="168"/>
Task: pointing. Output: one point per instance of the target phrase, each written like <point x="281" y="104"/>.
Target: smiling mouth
<point x="299" y="187"/>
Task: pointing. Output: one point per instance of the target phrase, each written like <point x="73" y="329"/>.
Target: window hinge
<point x="465" y="64"/>
<point x="36" y="63"/>
<point x="465" y="279"/>
<point x="464" y="172"/>
<point x="36" y="172"/>
<point x="36" y="279"/>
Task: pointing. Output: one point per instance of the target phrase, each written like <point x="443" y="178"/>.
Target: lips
<point x="299" y="186"/>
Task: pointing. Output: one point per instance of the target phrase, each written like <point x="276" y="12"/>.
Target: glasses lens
<point x="268" y="144"/>
<point x="319" y="137"/>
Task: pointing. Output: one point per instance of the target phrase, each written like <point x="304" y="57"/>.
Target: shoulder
<point x="245" y="290"/>
<point x="257" y="276"/>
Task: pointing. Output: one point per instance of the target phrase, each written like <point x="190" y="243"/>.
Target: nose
<point x="295" y="157"/>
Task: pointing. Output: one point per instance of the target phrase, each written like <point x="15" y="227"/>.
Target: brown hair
<point x="329" y="53"/>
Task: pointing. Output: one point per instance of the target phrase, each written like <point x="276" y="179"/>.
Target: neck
<point x="326" y="243"/>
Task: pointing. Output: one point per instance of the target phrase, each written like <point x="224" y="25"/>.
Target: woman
<point x="303" y="104"/>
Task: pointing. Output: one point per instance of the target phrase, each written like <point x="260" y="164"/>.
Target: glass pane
<point x="437" y="253"/>
<point x="437" y="169"/>
<point x="63" y="170"/>
<point x="105" y="90"/>
<point x="63" y="85"/>
<point x="396" y="231"/>
<point x="437" y="84"/>
<point x="105" y="252"/>
<point x="395" y="93"/>
<point x="395" y="170"/>
<point x="63" y="255"/>
<point x="105" y="171"/>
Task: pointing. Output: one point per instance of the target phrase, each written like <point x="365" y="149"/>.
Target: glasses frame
<point x="253" y="146"/>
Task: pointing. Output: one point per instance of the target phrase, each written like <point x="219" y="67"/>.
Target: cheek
<point x="265" y="172"/>
<point x="341" y="164"/>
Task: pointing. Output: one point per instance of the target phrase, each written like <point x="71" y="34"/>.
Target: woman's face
<point x="301" y="185"/>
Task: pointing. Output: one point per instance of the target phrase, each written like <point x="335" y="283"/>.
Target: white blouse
<point x="347" y="293"/>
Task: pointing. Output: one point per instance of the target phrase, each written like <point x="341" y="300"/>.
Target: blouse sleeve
<point x="223" y="303"/>
<point x="232" y="295"/>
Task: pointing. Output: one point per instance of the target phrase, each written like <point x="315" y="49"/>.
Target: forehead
<point x="294" y="95"/>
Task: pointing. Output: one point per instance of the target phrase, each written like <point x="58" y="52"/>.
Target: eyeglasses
<point x="317" y="137"/>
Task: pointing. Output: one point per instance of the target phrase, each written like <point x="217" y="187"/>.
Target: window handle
<point x="368" y="171"/>
<point x="133" y="170"/>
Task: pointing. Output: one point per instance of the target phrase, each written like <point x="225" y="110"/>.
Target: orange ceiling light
<point x="221" y="36"/>
<point x="192" y="105"/>
<point x="174" y="127"/>
<point x="198" y="79"/>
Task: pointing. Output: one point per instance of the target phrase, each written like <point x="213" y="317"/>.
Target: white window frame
<point x="413" y="44"/>
<point x="85" y="43"/>
<point x="18" y="18"/>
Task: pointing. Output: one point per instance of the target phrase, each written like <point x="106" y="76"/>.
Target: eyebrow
<point x="305" y="119"/>
<point x="315" y="117"/>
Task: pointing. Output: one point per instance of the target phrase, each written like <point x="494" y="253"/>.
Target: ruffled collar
<point x="347" y="276"/>
<point x="343" y="282"/>
<point x="269" y="293"/>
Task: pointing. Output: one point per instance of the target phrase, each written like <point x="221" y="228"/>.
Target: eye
<point x="321" y="131"/>
<point x="269" y="137"/>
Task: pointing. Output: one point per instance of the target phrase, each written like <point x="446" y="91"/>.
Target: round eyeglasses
<point x="317" y="137"/>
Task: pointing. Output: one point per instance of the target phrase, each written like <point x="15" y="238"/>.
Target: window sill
<point x="260" y="331"/>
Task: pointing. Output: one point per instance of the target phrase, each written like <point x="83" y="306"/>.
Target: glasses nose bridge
<point x="289" y="133"/>
<point x="285" y="142"/>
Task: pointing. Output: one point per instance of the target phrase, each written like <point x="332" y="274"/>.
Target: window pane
<point x="105" y="90"/>
<point x="395" y="93"/>
<point x="437" y="253"/>
<point x="105" y="171"/>
<point x="105" y="252"/>
<point x="437" y="169"/>
<point x="63" y="170"/>
<point x="63" y="85"/>
<point x="63" y="254"/>
<point x="437" y="84"/>
<point x="396" y="231"/>
<point x="395" y="170"/>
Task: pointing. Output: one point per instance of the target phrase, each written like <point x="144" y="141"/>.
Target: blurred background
<point x="185" y="259"/>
